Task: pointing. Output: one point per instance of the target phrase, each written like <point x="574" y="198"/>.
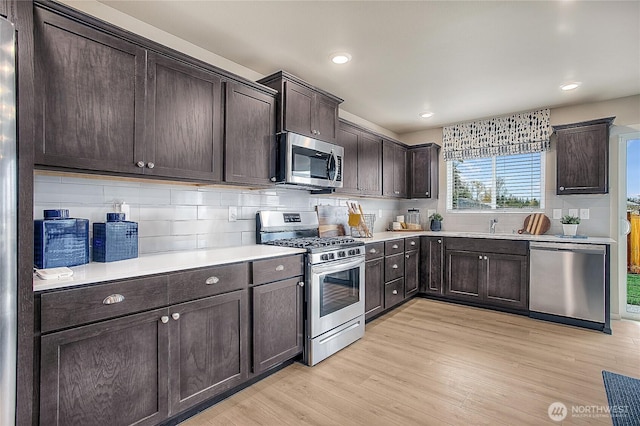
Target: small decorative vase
<point x="569" y="229"/>
<point x="436" y="225"/>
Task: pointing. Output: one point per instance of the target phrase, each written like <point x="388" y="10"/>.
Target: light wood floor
<point x="431" y="362"/>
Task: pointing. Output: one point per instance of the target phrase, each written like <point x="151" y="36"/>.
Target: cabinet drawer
<point x="393" y="247"/>
<point x="67" y="308"/>
<point x="393" y="267"/>
<point x="487" y="245"/>
<point x="412" y="243"/>
<point x="393" y="293"/>
<point x="191" y="285"/>
<point x="268" y="270"/>
<point x="374" y="250"/>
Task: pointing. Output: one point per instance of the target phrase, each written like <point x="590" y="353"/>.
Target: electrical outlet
<point x="573" y="212"/>
<point x="584" y="214"/>
<point x="430" y="212"/>
<point x="233" y="213"/>
<point x="379" y="213"/>
<point x="557" y="214"/>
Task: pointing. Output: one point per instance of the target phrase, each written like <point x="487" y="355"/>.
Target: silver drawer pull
<point x="114" y="298"/>
<point x="480" y="257"/>
<point x="395" y="246"/>
<point x="485" y="258"/>
<point x="301" y="283"/>
<point x="164" y="319"/>
<point x="413" y="243"/>
<point x="439" y="241"/>
<point x="212" y="280"/>
<point x="406" y="255"/>
<point x="280" y="268"/>
<point x="395" y="266"/>
<point x="373" y="251"/>
<point x="395" y="292"/>
<point x="175" y="316"/>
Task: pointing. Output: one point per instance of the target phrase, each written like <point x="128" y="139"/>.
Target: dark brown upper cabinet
<point x="90" y="89"/>
<point x="423" y="171"/>
<point x="394" y="169"/>
<point x="303" y="108"/>
<point x="250" y="125"/>
<point x="183" y="135"/>
<point x="362" y="171"/>
<point x="583" y="157"/>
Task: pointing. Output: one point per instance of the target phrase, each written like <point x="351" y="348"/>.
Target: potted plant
<point x="570" y="225"/>
<point x="436" y="222"/>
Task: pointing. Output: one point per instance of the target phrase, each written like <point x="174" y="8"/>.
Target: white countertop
<point x="150" y="264"/>
<point x="392" y="235"/>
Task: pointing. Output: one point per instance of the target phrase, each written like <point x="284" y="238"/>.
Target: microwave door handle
<point x="335" y="167"/>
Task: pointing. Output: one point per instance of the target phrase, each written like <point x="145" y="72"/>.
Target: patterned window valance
<point x="514" y="134"/>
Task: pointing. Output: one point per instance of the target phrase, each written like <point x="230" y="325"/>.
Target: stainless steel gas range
<point x="334" y="278"/>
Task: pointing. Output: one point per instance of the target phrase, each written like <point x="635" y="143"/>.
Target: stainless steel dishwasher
<point x="568" y="283"/>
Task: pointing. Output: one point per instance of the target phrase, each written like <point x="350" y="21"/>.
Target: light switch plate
<point x="557" y="214"/>
<point x="584" y="214"/>
<point x="573" y="212"/>
<point x="233" y="213"/>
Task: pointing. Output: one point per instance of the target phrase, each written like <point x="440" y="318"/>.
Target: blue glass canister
<point x="114" y="240"/>
<point x="60" y="240"/>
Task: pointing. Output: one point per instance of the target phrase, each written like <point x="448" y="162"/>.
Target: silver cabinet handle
<point x="394" y="266"/>
<point x="396" y="192"/>
<point x="439" y="241"/>
<point x="562" y="188"/>
<point x="164" y="319"/>
<point x="485" y="258"/>
<point x="406" y="255"/>
<point x="395" y="246"/>
<point x="114" y="298"/>
<point x="273" y="179"/>
<point x="150" y="165"/>
<point x="373" y="251"/>
<point x="212" y="280"/>
<point x="301" y="283"/>
<point x="280" y="268"/>
<point x="413" y="243"/>
<point x="480" y="257"/>
<point x="426" y="193"/>
<point x="175" y="316"/>
<point x="395" y="292"/>
<point x="140" y="164"/>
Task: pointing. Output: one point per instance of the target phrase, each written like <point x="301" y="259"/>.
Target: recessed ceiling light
<point x="340" y="58"/>
<point x="570" y="86"/>
<point x="426" y="114"/>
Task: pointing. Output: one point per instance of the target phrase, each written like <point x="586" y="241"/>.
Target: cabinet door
<point x="431" y="253"/>
<point x="464" y="274"/>
<point x="411" y="273"/>
<point x="109" y="373"/>
<point x="400" y="171"/>
<point x="582" y="160"/>
<point x="394" y="168"/>
<point x="393" y="267"/>
<point x="90" y="90"/>
<point x="423" y="172"/>
<point x="277" y="322"/>
<point x="298" y="109"/>
<point x="184" y="131"/>
<point x="208" y="344"/>
<point x="249" y="135"/>
<point x="374" y="287"/>
<point x="348" y="139"/>
<point x="325" y="118"/>
<point x="506" y="281"/>
<point x="369" y="164"/>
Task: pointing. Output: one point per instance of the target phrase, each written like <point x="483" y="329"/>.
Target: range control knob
<point x="341" y="254"/>
<point x="324" y="257"/>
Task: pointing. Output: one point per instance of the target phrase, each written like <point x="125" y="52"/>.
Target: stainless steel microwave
<point x="308" y="162"/>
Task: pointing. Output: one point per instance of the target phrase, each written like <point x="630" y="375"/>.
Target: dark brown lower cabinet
<point x="113" y="372"/>
<point x="431" y="262"/>
<point x="494" y="277"/>
<point x="393" y="293"/>
<point x="277" y="322"/>
<point x="411" y="272"/>
<point x="142" y="368"/>
<point x="208" y="348"/>
<point x="374" y="284"/>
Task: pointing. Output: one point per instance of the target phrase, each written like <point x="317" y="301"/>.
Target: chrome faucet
<point x="492" y="226"/>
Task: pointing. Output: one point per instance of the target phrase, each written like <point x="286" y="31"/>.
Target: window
<point x="496" y="183"/>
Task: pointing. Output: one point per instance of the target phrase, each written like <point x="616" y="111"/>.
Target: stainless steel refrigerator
<point x="8" y="224"/>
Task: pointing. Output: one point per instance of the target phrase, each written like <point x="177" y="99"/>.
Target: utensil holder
<point x="366" y="224"/>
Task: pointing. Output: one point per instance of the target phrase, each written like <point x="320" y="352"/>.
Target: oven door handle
<point x="338" y="265"/>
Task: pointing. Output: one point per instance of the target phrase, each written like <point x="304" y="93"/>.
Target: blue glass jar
<point x="117" y="239"/>
<point x="60" y="240"/>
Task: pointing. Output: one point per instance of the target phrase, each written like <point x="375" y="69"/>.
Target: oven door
<point x="336" y="294"/>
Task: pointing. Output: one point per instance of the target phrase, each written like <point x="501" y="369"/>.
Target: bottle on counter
<point x="60" y="240"/>
<point x="117" y="239"/>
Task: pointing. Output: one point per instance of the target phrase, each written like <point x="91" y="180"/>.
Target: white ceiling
<point x="462" y="60"/>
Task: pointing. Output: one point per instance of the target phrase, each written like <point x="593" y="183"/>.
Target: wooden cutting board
<point x="535" y="224"/>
